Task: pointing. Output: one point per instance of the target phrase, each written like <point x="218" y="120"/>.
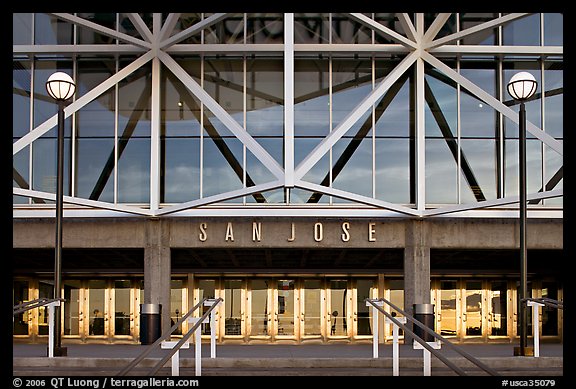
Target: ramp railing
<point x="178" y="345"/>
<point x="42" y="302"/>
<point x="376" y="305"/>
<point x="536" y="303"/>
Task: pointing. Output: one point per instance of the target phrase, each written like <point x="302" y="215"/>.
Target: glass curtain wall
<point x="471" y="148"/>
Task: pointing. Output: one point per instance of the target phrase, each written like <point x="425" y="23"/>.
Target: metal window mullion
<point x="330" y="123"/>
<point x="373" y="130"/>
<point x="31" y="121"/>
<point x="244" y="163"/>
<point x="458" y="137"/>
<point x="155" y="137"/>
<point x="116" y="114"/>
<point x="420" y="137"/>
<point x="289" y="100"/>
<point x="543" y="121"/>
<point x="502" y="138"/>
<point x="72" y="158"/>
<point x="202" y="127"/>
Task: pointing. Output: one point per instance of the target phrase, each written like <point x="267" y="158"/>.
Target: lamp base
<point x="528" y="352"/>
<point x="59" y="351"/>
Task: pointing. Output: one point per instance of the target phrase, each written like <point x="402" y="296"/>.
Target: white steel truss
<point x="157" y="45"/>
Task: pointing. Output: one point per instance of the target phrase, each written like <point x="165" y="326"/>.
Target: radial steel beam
<point x="259" y="152"/>
<point x="324" y="146"/>
<point x="102" y="30"/>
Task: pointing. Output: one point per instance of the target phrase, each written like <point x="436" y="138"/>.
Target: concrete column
<point x="157" y="268"/>
<point x="416" y="267"/>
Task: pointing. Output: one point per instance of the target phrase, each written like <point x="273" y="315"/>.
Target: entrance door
<point x="97" y="308"/>
<point x="497" y="308"/>
<point x="234" y="296"/>
<point x="284" y="322"/>
<point x="312" y="309"/>
<point x="362" y="316"/>
<point x="447" y="309"/>
<point x="73" y="314"/>
<point x="259" y="299"/>
<point x="338" y="308"/>
<point x="473" y="309"/>
<point x="21" y="322"/>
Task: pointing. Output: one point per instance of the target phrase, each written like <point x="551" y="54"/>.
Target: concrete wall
<point x="416" y="236"/>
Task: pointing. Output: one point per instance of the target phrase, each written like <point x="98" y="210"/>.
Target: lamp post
<point x="60" y="87"/>
<point x="521" y="87"/>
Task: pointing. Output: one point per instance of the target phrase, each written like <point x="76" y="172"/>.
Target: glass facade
<point x="208" y="120"/>
<point x="302" y="115"/>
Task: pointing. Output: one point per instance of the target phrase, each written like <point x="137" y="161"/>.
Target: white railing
<point x="430" y="347"/>
<point x="43" y="302"/>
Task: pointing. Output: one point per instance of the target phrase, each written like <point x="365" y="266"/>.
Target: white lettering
<point x="345" y="232"/>
<point x="293" y="236"/>
<point x="256" y="231"/>
<point x="229" y="232"/>
<point x="203" y="236"/>
<point x="371" y="232"/>
<point x="318" y="232"/>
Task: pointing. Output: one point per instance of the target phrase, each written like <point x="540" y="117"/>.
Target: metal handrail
<point x="425" y="344"/>
<point x="166" y="335"/>
<point x="162" y="337"/>
<point x="37" y="303"/>
<point x="546" y="301"/>
<point x="185" y="338"/>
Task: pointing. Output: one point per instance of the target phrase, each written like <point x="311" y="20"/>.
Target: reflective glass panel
<point x="363" y="291"/>
<point x="448" y="308"/>
<point x="285" y="307"/>
<point x="498" y="314"/>
<point x="50" y="30"/>
<point x="233" y="307"/>
<point x="311" y="28"/>
<point x="176" y="304"/>
<point x="45" y="290"/>
<point x="90" y="36"/>
<point x="522" y="32"/>
<point x="259" y="309"/>
<point x="72" y="307"/>
<point x="473" y="317"/>
<point x="96" y="306"/>
<point x="206" y="289"/>
<point x="550" y="314"/>
<point x="485" y="36"/>
<point x="19" y="296"/>
<point x="312" y="307"/>
<point x="265" y="28"/>
<point x="338" y="313"/>
<point x="122" y="302"/>
<point x="21" y="28"/>
<point x="21" y="93"/>
<point x="95" y="128"/>
<point x="553" y="29"/>
<point x="441" y="175"/>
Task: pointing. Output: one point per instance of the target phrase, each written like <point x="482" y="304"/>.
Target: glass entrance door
<point x="97" y="307"/>
<point x="312" y="308"/>
<point x="234" y="296"/>
<point x="260" y="309"/>
<point x="473" y="309"/>
<point x="447" y="309"/>
<point x="338" y="308"/>
<point x="497" y="306"/>
<point x="285" y="312"/>
<point x="73" y="314"/>
<point x="365" y="288"/>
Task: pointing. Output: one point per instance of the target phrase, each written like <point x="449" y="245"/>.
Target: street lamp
<point x="60" y="87"/>
<point x="521" y="87"/>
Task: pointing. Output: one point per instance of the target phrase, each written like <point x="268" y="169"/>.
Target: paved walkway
<point x="335" y="350"/>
